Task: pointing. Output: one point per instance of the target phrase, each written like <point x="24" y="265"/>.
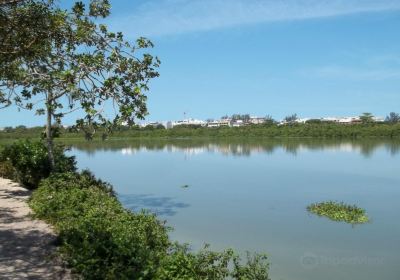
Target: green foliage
<point x="367" y="118"/>
<point x="314" y="121"/>
<point x="269" y="120"/>
<point x="340" y="212"/>
<point x="393" y="118"/>
<point x="84" y="179"/>
<point x="110" y="70"/>
<point x="244" y="117"/>
<point x="255" y="267"/>
<point x="30" y="161"/>
<point x="267" y="130"/>
<point x="181" y="263"/>
<point x="270" y="130"/>
<point x="7" y="170"/>
<point x="24" y="32"/>
<point x="15" y="133"/>
<point x="102" y="240"/>
<point x="291" y="118"/>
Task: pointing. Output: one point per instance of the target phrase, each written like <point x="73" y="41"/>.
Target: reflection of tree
<point x="392" y="148"/>
<point x="367" y="149"/>
<point x="292" y="148"/>
<point x="165" y="206"/>
<point x="240" y="147"/>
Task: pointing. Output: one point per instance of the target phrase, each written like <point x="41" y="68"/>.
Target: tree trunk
<point x="49" y="136"/>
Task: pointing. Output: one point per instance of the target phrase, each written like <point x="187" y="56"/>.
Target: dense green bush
<point x="102" y="240"/>
<point x="82" y="180"/>
<point x="181" y="263"/>
<point x="30" y="161"/>
<point x="7" y="170"/>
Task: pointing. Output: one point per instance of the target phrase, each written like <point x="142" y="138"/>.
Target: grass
<point x="340" y="212"/>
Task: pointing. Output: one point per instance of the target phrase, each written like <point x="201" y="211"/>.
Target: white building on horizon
<point x="257" y="120"/>
<point x="190" y="121"/>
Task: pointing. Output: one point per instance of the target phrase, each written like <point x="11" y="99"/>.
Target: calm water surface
<point x="253" y="195"/>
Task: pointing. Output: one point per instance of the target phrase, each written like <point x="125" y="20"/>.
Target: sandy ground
<point x="26" y="245"/>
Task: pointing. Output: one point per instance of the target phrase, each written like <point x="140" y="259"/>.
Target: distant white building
<point x="349" y="120"/>
<point x="257" y="120"/>
<point x="226" y="121"/>
<point x="214" y="124"/>
<point x="172" y="124"/>
<point x="237" y="123"/>
<point x="169" y="125"/>
<point x="218" y="123"/>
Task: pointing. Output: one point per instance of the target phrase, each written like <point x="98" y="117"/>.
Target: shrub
<point x="340" y="212"/>
<point x="30" y="161"/>
<point x="255" y="267"/>
<point x="7" y="170"/>
<point x="99" y="238"/>
<point x="83" y="180"/>
<point x="181" y="263"/>
<point x="102" y="240"/>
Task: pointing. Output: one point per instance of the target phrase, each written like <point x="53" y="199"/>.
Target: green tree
<point x="291" y="118"/>
<point x="269" y="119"/>
<point x="25" y="27"/>
<point x="367" y="118"/>
<point x="246" y="117"/>
<point x="8" y="129"/>
<point x="236" y="117"/>
<point x="393" y="118"/>
<point x="81" y="66"/>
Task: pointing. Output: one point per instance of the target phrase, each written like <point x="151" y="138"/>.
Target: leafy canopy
<point x="393" y="118"/>
<point x="59" y="61"/>
<point x="367" y="118"/>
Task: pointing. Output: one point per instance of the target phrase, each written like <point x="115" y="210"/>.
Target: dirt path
<point x="26" y="245"/>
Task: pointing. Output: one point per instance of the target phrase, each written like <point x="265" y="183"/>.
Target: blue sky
<point x="277" y="57"/>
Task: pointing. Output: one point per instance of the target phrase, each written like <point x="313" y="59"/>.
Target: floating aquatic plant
<point x="340" y="212"/>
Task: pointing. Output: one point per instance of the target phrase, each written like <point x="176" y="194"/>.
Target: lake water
<point x="252" y="195"/>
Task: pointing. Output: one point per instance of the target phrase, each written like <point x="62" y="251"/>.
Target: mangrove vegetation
<point x="340" y="212"/>
<point x="307" y="130"/>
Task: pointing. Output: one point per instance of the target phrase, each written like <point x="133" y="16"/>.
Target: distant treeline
<point x="314" y="130"/>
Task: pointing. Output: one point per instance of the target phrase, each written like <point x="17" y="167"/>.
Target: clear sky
<point x="276" y="57"/>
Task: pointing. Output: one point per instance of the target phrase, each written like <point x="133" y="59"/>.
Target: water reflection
<point x="164" y="206"/>
<point x="366" y="147"/>
<point x="252" y="195"/>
